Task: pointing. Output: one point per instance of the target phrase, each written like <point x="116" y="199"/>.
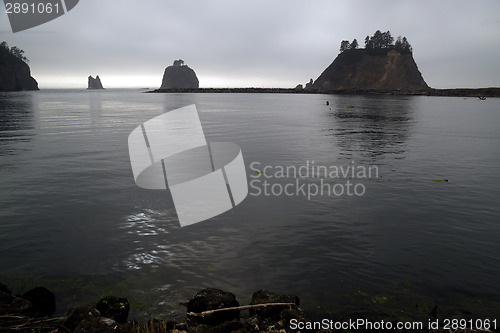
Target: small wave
<point x="146" y="229"/>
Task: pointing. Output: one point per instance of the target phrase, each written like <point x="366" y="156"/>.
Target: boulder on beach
<point x="77" y="315"/>
<point x="10" y="304"/>
<point x="43" y="300"/>
<point x="271" y="313"/>
<point x="116" y="308"/>
<point x="212" y="299"/>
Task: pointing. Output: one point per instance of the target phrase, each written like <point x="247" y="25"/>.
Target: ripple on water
<point x="147" y="230"/>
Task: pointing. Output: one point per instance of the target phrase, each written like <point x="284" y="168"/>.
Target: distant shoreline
<point x="457" y="92"/>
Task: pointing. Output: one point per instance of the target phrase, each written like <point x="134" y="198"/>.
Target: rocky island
<point x="179" y="76"/>
<point x="381" y="66"/>
<point x="95" y="83"/>
<point x="15" y="74"/>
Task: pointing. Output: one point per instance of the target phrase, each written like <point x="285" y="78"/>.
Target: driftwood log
<point x="243" y="307"/>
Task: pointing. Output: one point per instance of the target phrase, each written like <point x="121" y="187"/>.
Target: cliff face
<point x="179" y="76"/>
<point x="15" y="74"/>
<point x="95" y="83"/>
<point x="384" y="69"/>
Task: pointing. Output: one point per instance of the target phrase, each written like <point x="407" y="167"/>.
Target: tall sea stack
<point x="378" y="69"/>
<point x="95" y="83"/>
<point x="179" y="76"/>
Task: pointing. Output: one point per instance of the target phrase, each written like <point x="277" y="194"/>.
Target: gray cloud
<point x="257" y="43"/>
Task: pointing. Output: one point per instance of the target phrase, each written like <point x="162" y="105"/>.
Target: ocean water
<point x="425" y="222"/>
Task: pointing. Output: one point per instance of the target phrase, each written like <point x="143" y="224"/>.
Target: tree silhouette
<point x="15" y="51"/>
<point x="398" y="43"/>
<point x="179" y="62"/>
<point x="402" y="45"/>
<point x="406" y="46"/>
<point x="344" y="45"/>
<point x="368" y="43"/>
<point x="384" y="40"/>
<point x="379" y="40"/>
<point x="18" y="53"/>
<point x="387" y="39"/>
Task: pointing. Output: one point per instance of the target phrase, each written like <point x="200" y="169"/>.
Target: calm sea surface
<point x="72" y="218"/>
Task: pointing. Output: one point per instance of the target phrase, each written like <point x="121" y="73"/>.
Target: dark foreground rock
<point x="4" y="289"/>
<point x="75" y="316"/>
<point x="43" y="301"/>
<point x="13" y="304"/>
<point x="116" y="308"/>
<point x="213" y="299"/>
<point x="274" y="312"/>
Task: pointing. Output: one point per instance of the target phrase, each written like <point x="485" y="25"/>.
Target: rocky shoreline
<point x="210" y="310"/>
<point x="459" y="92"/>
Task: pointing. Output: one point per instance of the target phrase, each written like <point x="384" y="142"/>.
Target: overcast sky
<point x="261" y="43"/>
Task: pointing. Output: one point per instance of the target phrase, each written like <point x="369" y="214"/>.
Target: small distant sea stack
<point x="95" y="83"/>
<point x="179" y="76"/>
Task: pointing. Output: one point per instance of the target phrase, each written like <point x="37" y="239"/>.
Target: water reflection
<point x="17" y="119"/>
<point x="176" y="101"/>
<point x="95" y="106"/>
<point x="371" y="126"/>
<point x="146" y="230"/>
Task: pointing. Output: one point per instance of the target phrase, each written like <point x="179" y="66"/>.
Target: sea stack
<point x="359" y="69"/>
<point x="95" y="83"/>
<point x="382" y="65"/>
<point x="179" y="76"/>
<point x="15" y="74"/>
